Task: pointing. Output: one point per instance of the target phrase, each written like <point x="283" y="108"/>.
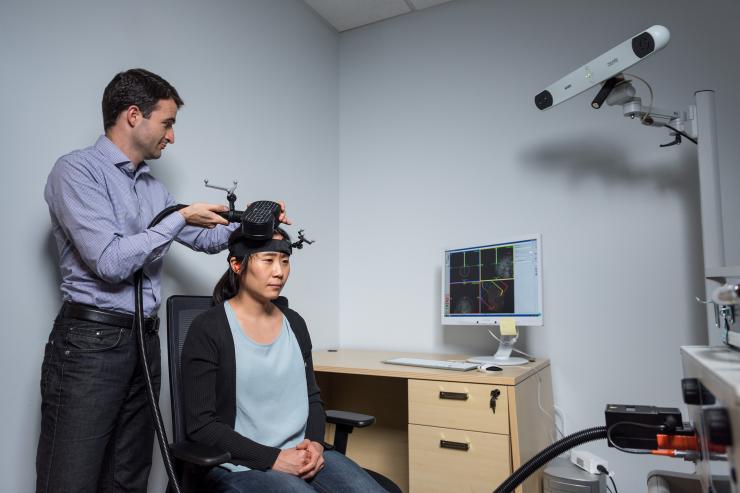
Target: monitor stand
<point x="503" y="354"/>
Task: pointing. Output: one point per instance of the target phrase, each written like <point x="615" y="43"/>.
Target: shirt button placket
<point x="142" y="226"/>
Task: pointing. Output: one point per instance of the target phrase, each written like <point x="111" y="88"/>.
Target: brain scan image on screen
<point x="497" y="263"/>
<point x="465" y="267"/>
<point x="464" y="298"/>
<point x="497" y="296"/>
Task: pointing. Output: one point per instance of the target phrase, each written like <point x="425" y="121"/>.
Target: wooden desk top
<point x="366" y="362"/>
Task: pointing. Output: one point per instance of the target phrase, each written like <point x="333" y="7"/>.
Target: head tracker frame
<point x="259" y="222"/>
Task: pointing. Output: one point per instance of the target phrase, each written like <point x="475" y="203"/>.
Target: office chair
<point x="193" y="460"/>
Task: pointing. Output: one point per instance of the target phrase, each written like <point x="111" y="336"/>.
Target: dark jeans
<point x="339" y="475"/>
<point x="96" y="426"/>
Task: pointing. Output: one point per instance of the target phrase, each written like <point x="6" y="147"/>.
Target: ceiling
<point x="349" y="14"/>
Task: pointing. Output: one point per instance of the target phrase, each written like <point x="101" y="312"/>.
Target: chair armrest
<point x="355" y="420"/>
<point x="198" y="454"/>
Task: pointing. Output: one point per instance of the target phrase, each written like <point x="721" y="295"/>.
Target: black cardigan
<point x="209" y="388"/>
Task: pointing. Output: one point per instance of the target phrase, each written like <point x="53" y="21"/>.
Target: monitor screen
<point x="483" y="284"/>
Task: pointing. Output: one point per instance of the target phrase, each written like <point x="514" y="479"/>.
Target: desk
<point x="412" y="419"/>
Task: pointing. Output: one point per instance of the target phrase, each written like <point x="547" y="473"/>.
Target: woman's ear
<point x="235" y="265"/>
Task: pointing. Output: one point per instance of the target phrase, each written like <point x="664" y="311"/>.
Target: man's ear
<point x="133" y="115"/>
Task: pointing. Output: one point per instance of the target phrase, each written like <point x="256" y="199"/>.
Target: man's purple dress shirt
<point x="100" y="207"/>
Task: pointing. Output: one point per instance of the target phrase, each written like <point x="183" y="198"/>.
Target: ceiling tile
<point x="422" y="4"/>
<point x="348" y="14"/>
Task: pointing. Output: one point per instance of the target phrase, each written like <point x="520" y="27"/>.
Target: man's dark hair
<point x="137" y="87"/>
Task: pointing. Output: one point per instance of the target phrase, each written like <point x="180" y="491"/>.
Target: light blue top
<point x="271" y="396"/>
<point x="100" y="207"/>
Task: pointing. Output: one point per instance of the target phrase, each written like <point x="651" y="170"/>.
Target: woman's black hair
<point x="227" y="287"/>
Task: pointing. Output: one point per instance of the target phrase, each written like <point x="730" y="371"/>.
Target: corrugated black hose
<point x="549" y="453"/>
<point x="231" y="216"/>
<point x="151" y="396"/>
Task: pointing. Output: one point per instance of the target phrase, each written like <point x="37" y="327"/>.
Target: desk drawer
<point x="444" y="460"/>
<point x="465" y="406"/>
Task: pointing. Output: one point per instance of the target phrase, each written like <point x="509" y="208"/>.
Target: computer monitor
<point x="482" y="285"/>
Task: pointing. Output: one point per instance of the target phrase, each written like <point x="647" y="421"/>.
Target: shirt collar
<point x="115" y="156"/>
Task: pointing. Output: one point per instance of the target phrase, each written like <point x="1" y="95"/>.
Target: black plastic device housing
<point x="260" y="220"/>
<point x="640" y="437"/>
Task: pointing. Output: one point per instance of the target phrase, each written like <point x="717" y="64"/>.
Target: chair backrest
<point x="181" y="310"/>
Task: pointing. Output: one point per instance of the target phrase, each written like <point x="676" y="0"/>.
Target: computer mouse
<point x="488" y="367"/>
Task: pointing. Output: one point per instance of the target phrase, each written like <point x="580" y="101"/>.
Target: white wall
<point x="259" y="79"/>
<point x="441" y="145"/>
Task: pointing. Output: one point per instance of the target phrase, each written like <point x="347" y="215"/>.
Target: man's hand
<point x="315" y="458"/>
<point x="283" y="218"/>
<point x="204" y="215"/>
<point x="291" y="460"/>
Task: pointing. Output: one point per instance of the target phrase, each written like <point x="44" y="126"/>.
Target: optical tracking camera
<point x="604" y="67"/>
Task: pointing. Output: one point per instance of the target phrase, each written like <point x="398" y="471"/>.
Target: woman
<point x="249" y="385"/>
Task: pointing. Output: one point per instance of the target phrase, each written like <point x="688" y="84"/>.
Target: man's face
<point x="152" y="134"/>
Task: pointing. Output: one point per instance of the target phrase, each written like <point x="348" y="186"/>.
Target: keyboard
<point x="433" y="363"/>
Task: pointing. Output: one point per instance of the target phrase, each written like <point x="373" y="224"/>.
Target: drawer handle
<point x="455" y="396"/>
<point x="454" y="445"/>
<point x="495" y="393"/>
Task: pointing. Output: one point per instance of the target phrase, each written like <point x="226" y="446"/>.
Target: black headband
<point x="244" y="247"/>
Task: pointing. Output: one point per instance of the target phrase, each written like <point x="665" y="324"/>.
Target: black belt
<point x="104" y="317"/>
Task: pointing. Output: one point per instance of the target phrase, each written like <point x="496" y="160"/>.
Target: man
<point x="96" y="427"/>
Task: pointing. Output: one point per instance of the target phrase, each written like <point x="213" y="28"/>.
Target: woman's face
<point x="265" y="273"/>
